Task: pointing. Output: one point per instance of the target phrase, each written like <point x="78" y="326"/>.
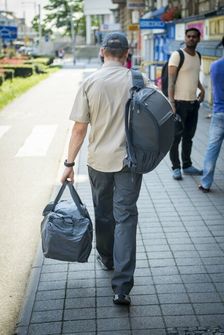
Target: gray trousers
<point x="116" y="215"/>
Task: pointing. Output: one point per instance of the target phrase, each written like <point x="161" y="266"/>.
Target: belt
<point x="187" y="101"/>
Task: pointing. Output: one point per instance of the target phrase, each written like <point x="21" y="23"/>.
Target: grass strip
<point x="12" y="89"/>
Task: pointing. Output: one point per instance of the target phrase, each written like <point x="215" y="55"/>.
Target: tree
<point x="63" y="13"/>
<point x="44" y="29"/>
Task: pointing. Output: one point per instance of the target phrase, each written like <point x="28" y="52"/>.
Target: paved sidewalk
<point x="179" y="279"/>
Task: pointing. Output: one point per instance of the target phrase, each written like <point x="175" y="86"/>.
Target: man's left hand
<point x="201" y="96"/>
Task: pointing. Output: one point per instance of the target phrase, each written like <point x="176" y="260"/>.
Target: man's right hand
<point x="68" y="174"/>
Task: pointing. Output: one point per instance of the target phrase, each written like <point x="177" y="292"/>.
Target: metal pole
<point x="6" y="5"/>
<point x="39" y="22"/>
<point x="72" y="35"/>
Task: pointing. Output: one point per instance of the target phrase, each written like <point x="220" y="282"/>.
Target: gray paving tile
<point x="217" y="277"/>
<point x="46" y="316"/>
<point x="79" y="314"/>
<point x="219" y="287"/>
<point x="200" y="287"/>
<point x="209" y="308"/>
<point x="211" y="320"/>
<point x="81" y="274"/>
<point x="114" y="324"/>
<point x="53" y="276"/>
<point x="146" y="332"/>
<point x="162" y="262"/>
<point x="196" y="278"/>
<point x="80" y="303"/>
<point x="177" y="309"/>
<point x="48" y="305"/>
<point x="164" y="271"/>
<point x="114" y="332"/>
<point x="79" y="326"/>
<point x="146" y="289"/>
<point x="45" y="328"/>
<point x="173" y="298"/>
<point x="80" y="292"/>
<point x="172" y="279"/>
<point x="205" y="297"/>
<point x="112" y="312"/>
<point x="54" y="285"/>
<point x="147" y="322"/>
<point x="170" y="288"/>
<point x="192" y="269"/>
<point x="147" y="310"/>
<point x="51" y="294"/>
<point x="81" y="283"/>
<point x="181" y="321"/>
<point x="55" y="268"/>
<point x="142" y="300"/>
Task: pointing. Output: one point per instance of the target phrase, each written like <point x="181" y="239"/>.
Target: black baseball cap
<point x="115" y="41"/>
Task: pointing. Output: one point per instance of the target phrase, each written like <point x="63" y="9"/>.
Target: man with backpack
<point x="183" y="83"/>
<point x="100" y="102"/>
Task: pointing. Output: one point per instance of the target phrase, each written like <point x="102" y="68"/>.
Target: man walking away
<point x="216" y="131"/>
<point x="100" y="102"/>
<point x="182" y="89"/>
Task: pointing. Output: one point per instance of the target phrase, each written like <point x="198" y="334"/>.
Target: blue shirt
<point x="217" y="77"/>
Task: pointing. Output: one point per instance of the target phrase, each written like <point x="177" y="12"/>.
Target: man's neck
<point x="190" y="51"/>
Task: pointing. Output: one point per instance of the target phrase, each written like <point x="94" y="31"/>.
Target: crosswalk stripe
<point x="3" y="130"/>
<point x="38" y="142"/>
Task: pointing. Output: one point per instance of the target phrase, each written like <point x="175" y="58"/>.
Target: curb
<point x="28" y="302"/>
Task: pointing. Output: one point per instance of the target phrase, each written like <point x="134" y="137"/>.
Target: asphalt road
<point x="33" y="133"/>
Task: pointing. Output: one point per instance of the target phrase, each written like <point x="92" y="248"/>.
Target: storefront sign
<point x="135" y="4"/>
<point x="133" y="27"/>
<point x="151" y="24"/>
<point x="198" y="25"/>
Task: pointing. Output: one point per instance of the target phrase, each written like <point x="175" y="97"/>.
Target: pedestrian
<point x="61" y="53"/>
<point x="216" y="131"/>
<point x="182" y="89"/>
<point x="129" y="61"/>
<point x="100" y="102"/>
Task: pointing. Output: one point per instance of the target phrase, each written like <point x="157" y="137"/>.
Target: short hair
<point x="193" y="29"/>
<point x="119" y="53"/>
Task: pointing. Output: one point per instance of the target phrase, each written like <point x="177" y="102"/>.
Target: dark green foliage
<point x="1" y="79"/>
<point x="60" y="13"/>
<point x="21" y="70"/>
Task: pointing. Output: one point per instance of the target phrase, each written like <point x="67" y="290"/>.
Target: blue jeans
<point x="216" y="136"/>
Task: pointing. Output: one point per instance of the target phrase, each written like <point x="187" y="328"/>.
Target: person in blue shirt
<point x="216" y="131"/>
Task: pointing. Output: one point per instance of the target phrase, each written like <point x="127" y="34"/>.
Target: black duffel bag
<point x="66" y="229"/>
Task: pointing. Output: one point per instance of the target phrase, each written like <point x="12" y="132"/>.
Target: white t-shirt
<point x="187" y="80"/>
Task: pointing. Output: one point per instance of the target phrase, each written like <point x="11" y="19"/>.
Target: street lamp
<point x="72" y="32"/>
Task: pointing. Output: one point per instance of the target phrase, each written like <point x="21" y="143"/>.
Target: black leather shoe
<point x="103" y="266"/>
<point x="121" y="299"/>
<point x="203" y="189"/>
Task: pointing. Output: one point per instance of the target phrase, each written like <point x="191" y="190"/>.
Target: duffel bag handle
<point x="74" y="196"/>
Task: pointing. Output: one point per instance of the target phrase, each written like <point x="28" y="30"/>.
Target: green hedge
<point x="9" y="74"/>
<point x="1" y="79"/>
<point x="21" y="70"/>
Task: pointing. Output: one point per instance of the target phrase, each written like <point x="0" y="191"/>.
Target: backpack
<point x="164" y="74"/>
<point x="149" y="126"/>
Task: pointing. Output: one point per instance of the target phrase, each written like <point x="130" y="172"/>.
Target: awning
<point x="155" y="13"/>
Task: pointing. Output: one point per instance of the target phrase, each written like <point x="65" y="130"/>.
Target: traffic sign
<point x="8" y="33"/>
<point x="151" y="24"/>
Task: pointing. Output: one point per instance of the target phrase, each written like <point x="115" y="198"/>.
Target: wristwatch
<point x="68" y="164"/>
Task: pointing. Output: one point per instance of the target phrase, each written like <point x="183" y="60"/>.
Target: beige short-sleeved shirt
<point x="187" y="80"/>
<point x="101" y="101"/>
